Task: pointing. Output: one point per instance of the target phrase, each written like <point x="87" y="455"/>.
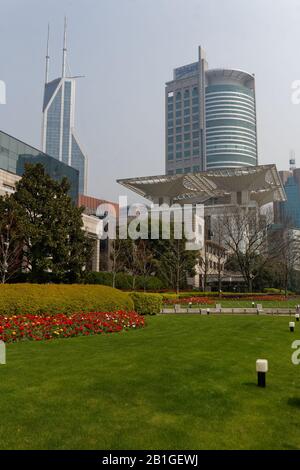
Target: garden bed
<point x="46" y="327"/>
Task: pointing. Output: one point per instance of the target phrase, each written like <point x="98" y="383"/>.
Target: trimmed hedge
<point x="147" y="304"/>
<point x="16" y="299"/>
<point x="225" y="295"/>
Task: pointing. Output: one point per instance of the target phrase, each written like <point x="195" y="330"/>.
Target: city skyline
<point x="114" y="121"/>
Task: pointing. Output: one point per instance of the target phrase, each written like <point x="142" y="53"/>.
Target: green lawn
<point x="184" y="382"/>
<point x="289" y="303"/>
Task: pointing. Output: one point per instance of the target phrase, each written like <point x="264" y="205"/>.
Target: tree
<point x="286" y="244"/>
<point x="54" y="240"/>
<point x="245" y="236"/>
<point x="12" y="232"/>
<point x="143" y="260"/>
<point x="173" y="262"/>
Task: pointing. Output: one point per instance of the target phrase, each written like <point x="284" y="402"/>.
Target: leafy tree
<point x="173" y="262"/>
<point x="54" y="240"/>
<point x="12" y="232"/>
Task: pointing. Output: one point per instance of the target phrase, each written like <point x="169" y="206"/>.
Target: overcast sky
<point x="127" y="50"/>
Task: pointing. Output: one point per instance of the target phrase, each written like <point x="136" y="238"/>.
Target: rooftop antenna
<point x="47" y="57"/>
<point x="292" y="160"/>
<point x="64" y="50"/>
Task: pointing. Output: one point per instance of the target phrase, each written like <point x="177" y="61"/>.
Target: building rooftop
<point x="262" y="182"/>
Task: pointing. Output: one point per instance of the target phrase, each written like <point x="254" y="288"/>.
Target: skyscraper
<point x="210" y="118"/>
<point x="58" y="129"/>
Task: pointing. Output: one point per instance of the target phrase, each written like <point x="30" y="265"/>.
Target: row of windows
<point x="230" y="158"/>
<point x="187" y="145"/>
<point x="230" y="122"/>
<point x="195" y="152"/>
<point x="188" y="169"/>
<point x="185" y="94"/>
<point x="186" y="112"/>
<point x="186" y="121"/>
<point x="186" y="103"/>
<point x="195" y="135"/>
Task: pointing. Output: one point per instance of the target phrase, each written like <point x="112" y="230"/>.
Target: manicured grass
<point x="183" y="382"/>
<point x="289" y="303"/>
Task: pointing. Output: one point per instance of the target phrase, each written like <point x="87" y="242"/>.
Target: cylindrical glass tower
<point x="230" y="119"/>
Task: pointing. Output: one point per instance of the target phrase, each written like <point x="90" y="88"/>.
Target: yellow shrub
<point x="61" y="298"/>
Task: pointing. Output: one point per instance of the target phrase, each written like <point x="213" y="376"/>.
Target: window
<point x="195" y="91"/>
<point x="178" y="96"/>
<point x="195" y="135"/>
<point x="178" y="155"/>
<point x="187" y="153"/>
<point x="178" y="130"/>
<point x="186" y="111"/>
<point x="178" y="146"/>
<point x="187" y="169"/>
<point x="196" y="168"/>
<point x="178" y="171"/>
<point x="186" y="120"/>
<point x="179" y="138"/>
<point x="186" y="136"/>
<point x="187" y="128"/>
<point x="187" y="145"/>
<point x="196" y="143"/>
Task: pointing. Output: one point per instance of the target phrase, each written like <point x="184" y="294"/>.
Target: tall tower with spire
<point x="58" y="125"/>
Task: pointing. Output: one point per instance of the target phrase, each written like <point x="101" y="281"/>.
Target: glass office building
<point x="14" y="154"/>
<point x="58" y="136"/>
<point x="288" y="212"/>
<point x="58" y="129"/>
<point x="210" y="119"/>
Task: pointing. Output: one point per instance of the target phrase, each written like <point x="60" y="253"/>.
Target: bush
<point x="18" y="299"/>
<point x="147" y="304"/>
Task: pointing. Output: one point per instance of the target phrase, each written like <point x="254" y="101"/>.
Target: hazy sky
<point x="127" y="50"/>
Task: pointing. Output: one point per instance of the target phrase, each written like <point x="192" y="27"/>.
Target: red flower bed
<point x="192" y="300"/>
<point x="37" y="328"/>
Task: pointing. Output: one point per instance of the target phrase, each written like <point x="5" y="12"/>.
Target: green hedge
<point x="230" y="295"/>
<point x="61" y="298"/>
<point x="147" y="304"/>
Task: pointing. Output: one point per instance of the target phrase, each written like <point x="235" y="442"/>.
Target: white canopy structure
<point x="258" y="185"/>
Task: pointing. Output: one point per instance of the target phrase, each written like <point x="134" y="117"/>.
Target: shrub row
<point x="225" y="295"/>
<point x="19" y="299"/>
<point x="147" y="304"/>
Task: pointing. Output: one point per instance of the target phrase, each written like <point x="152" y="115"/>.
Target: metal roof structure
<point x="262" y="183"/>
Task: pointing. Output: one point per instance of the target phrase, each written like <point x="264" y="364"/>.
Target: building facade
<point x="210" y="119"/>
<point x="14" y="154"/>
<point x="58" y="125"/>
<point x="288" y="212"/>
<point x="104" y="247"/>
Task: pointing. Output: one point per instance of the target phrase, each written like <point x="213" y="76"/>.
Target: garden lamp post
<point x="261" y="369"/>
